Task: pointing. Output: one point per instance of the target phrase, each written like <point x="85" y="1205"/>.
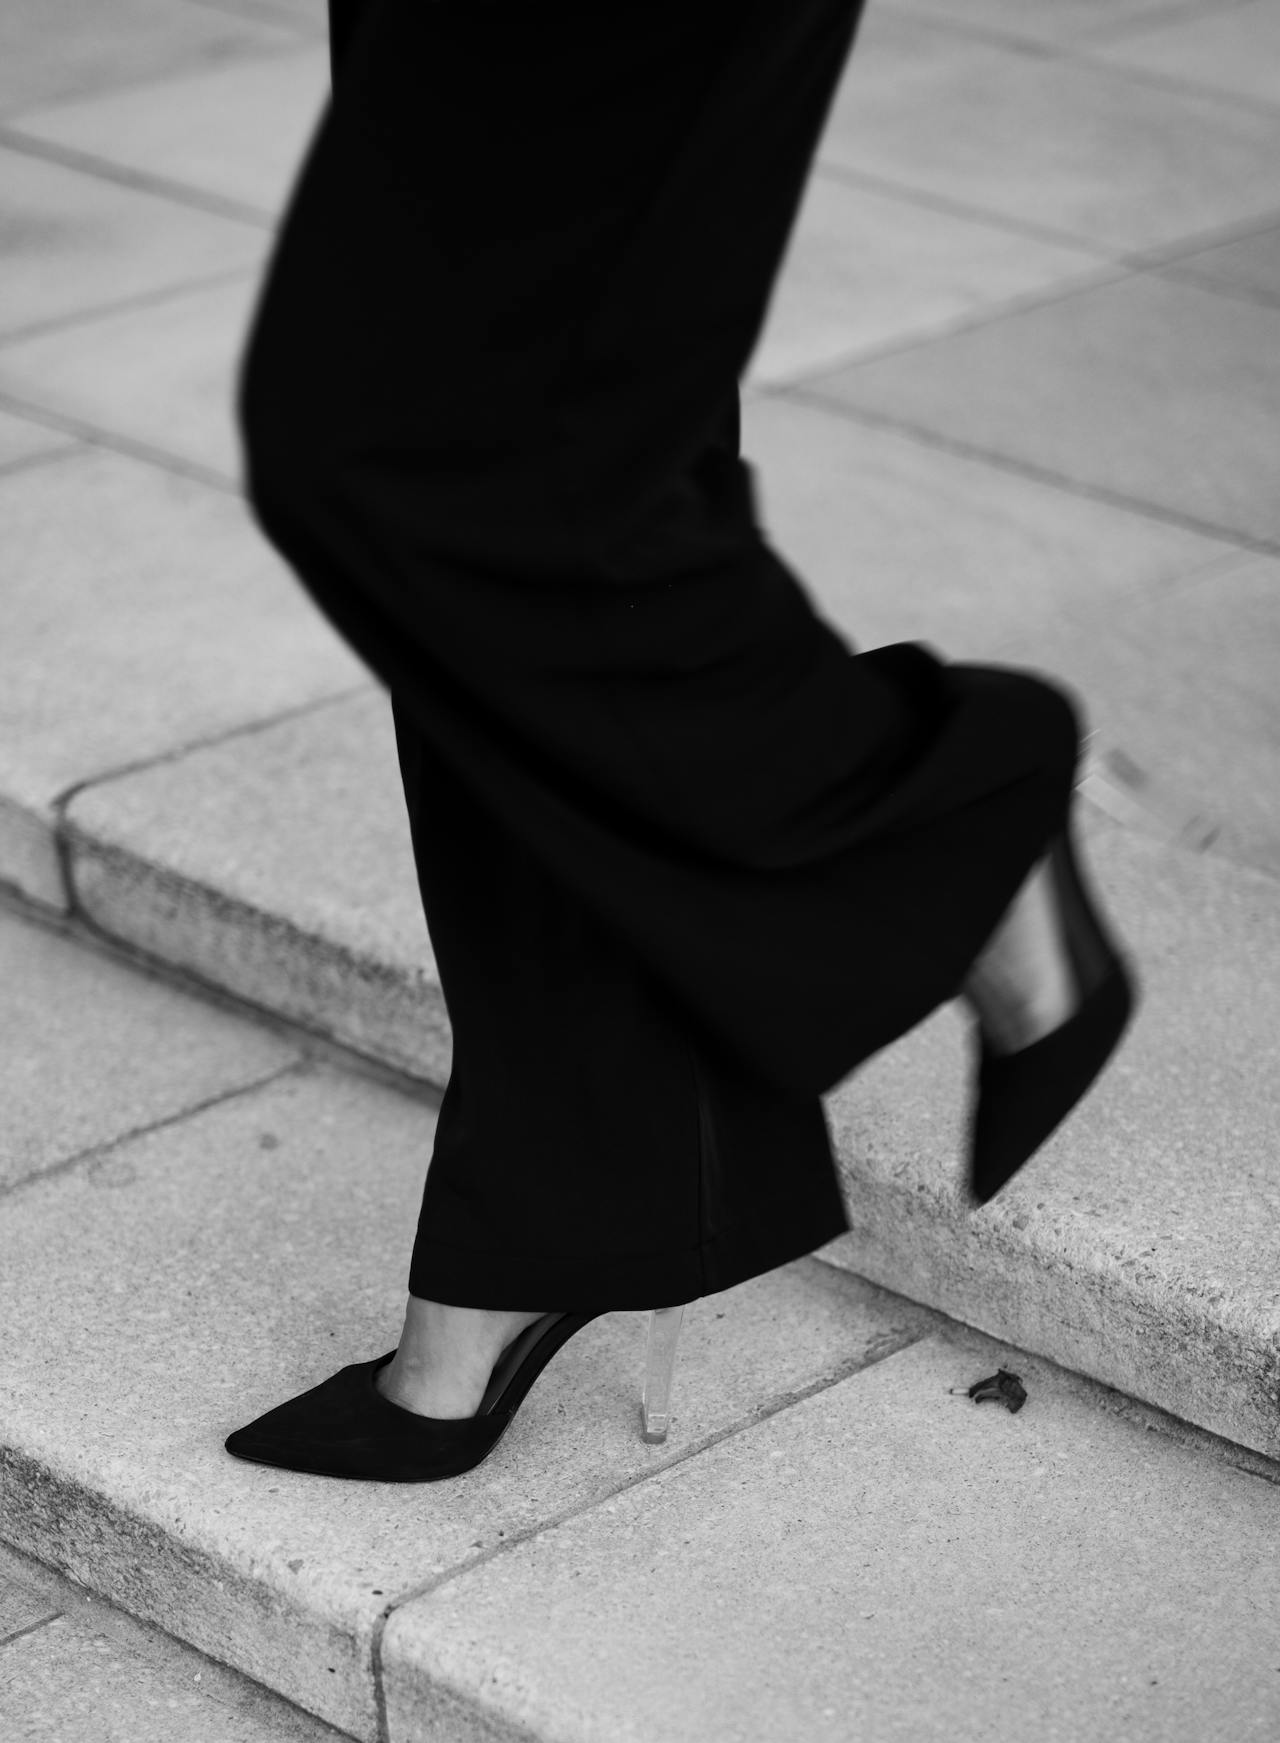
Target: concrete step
<point x="834" y="1540"/>
<point x="76" y="1669"/>
<point x="1136" y="1247"/>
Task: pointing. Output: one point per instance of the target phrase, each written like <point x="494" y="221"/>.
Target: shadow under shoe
<point x="1023" y="1096"/>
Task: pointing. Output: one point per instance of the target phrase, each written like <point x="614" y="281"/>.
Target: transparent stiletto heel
<point x="659" y="1370"/>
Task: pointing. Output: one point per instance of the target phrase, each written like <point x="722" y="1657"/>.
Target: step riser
<point x="157" y="1574"/>
<point x="387" y="1013"/>
<point x="1058" y="1304"/>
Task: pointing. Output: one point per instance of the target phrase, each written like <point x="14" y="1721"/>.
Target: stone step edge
<point x="1053" y="1291"/>
<point x="1185" y="1354"/>
<point x="196" y="1596"/>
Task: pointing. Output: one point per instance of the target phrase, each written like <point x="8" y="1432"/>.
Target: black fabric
<point x="686" y="856"/>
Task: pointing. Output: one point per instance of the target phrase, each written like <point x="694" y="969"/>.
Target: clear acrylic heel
<point x="659" y="1367"/>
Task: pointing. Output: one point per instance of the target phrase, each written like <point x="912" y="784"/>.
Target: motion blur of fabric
<point x="687" y="858"/>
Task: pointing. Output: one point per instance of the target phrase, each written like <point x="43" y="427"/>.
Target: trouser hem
<point x="520" y="1281"/>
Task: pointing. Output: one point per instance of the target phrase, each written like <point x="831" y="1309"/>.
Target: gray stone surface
<point x="21" y="440"/>
<point x="899" y="541"/>
<point x="1079" y="149"/>
<point x="1234" y="50"/>
<point x="87" y="1673"/>
<point x="1138" y="1245"/>
<point x="883" y="1560"/>
<point x="237" y="132"/>
<point x="22" y="1606"/>
<point x="1182" y="688"/>
<point x="1150" y="388"/>
<point x="52" y="49"/>
<point x="224" y="1264"/>
<point x="1048" y="21"/>
<point x="75" y="243"/>
<point x="94" y="1050"/>
<point x="1250" y="267"/>
<point x="277" y="864"/>
<point x="127" y="595"/>
<point x="161" y="377"/>
<point x="864" y="269"/>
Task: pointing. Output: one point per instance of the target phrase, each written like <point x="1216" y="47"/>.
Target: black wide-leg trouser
<point x="687" y="858"/>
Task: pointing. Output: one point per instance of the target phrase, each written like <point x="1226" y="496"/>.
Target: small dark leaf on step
<point x="1005" y="1387"/>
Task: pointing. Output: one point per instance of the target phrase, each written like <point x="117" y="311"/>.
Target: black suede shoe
<point x="344" y="1427"/>
<point x="1023" y="1096"/>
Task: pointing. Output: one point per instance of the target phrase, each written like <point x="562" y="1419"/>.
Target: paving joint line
<point x="1063" y="290"/>
<point x="317" y="1047"/>
<point x="807" y="393"/>
<point x="43" y="456"/>
<point x="148" y="299"/>
<point x="138" y="181"/>
<point x="31" y="1628"/>
<point x="909" y="193"/>
<point x="1139" y="258"/>
<point x="94" y="435"/>
<point x="205" y="741"/>
<point x="879" y="1350"/>
<point x="287" y="19"/>
<point x="96" y="1152"/>
<point x="965" y="321"/>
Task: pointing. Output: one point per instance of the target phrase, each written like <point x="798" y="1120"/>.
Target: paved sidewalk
<point x="1018" y="397"/>
<point x="835" y="1541"/>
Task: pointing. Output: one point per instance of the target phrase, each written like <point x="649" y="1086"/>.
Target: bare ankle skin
<point x="447" y="1355"/>
<point x="1021" y="987"/>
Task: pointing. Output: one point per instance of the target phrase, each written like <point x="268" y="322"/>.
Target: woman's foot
<point x="447" y="1356"/>
<point x="1021" y="987"/>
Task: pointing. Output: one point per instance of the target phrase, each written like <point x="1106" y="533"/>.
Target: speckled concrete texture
<point x="241" y="862"/>
<point x="1139" y="1244"/>
<point x="94" y="1051"/>
<point x="127" y="593"/>
<point x="230" y="1261"/>
<point x="81" y="1671"/>
<point x="885" y="1560"/>
<point x="1150" y="390"/>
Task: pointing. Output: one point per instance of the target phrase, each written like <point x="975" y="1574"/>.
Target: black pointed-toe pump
<point x="1023" y="1096"/>
<point x="344" y="1427"/>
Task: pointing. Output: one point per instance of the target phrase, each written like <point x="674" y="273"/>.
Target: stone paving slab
<point x="95" y="1051"/>
<point x="864" y="269"/>
<point x="236" y="132"/>
<point x="22" y="440"/>
<point x="1152" y="389"/>
<point x="1250" y="267"/>
<point x="81" y="1671"/>
<point x="128" y="591"/>
<point x="277" y="864"/>
<point x="235" y="1258"/>
<point x="1182" y="685"/>
<point x="900" y="541"/>
<point x="883" y="1560"/>
<point x="56" y="49"/>
<point x="1235" y="50"/>
<point x="1138" y="1245"/>
<point x="160" y="379"/>
<point x="74" y="243"/>
<point x="1058" y="145"/>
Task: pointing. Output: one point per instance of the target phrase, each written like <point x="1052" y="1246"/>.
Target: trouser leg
<point x="590" y="1149"/>
<point x="505" y="318"/>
